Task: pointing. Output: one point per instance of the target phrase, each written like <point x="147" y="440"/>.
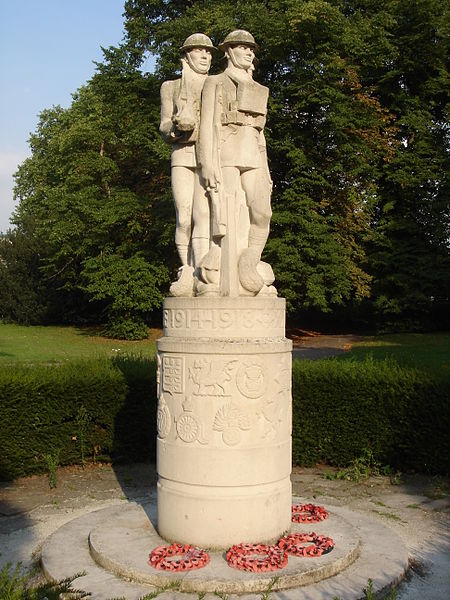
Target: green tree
<point x="410" y="256"/>
<point x="327" y="132"/>
<point x="358" y="143"/>
<point x="131" y="287"/>
<point x="97" y="187"/>
<point x="22" y="292"/>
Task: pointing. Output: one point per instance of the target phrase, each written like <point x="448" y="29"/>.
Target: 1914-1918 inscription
<point x="217" y="319"/>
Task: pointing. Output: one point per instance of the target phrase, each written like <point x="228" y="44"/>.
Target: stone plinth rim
<point x="299" y="572"/>
<point x="386" y="568"/>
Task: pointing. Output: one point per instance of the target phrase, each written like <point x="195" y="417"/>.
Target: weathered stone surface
<point x="224" y="421"/>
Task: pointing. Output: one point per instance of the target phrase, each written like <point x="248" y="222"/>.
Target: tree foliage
<point x="22" y="294"/>
<point x="409" y="259"/>
<point x="358" y="146"/>
<point x="97" y="188"/>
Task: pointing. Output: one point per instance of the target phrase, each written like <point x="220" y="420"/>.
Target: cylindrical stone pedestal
<point x="224" y="421"/>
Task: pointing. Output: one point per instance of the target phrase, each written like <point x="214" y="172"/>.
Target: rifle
<point x="218" y="204"/>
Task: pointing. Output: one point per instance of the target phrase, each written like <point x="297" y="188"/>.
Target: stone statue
<point x="220" y="176"/>
<point x="180" y="121"/>
<point x="224" y="364"/>
<point x="234" y="169"/>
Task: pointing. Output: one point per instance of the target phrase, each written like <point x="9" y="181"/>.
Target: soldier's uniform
<point x="233" y="116"/>
<point x="183" y="148"/>
<point x="180" y="122"/>
<point x="239" y="116"/>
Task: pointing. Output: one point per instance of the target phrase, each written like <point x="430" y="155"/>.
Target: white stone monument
<point x="224" y="364"/>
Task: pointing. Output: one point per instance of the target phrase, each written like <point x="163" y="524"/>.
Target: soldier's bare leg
<point x="183" y="184"/>
<point x="257" y="192"/>
<point x="201" y="218"/>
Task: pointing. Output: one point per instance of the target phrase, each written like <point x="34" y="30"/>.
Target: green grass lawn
<point x="430" y="351"/>
<point x="20" y="344"/>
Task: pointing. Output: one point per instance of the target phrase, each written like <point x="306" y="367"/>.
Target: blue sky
<point x="46" y="53"/>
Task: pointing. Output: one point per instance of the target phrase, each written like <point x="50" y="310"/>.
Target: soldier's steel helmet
<point x="197" y="40"/>
<point x="237" y="37"/>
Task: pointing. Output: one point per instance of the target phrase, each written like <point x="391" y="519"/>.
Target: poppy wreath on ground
<point x="306" y="544"/>
<point x="308" y="513"/>
<point x="258" y="558"/>
<point x="164" y="558"/>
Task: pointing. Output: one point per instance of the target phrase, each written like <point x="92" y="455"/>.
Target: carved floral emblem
<point x="231" y="420"/>
<point x="187" y="428"/>
<point x="272" y="413"/>
<point x="275" y="410"/>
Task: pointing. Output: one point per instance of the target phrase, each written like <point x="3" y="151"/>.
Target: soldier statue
<point x="180" y="121"/>
<point x="220" y="176"/>
<point x="233" y="159"/>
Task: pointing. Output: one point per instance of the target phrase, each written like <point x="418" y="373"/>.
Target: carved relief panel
<point x="225" y="400"/>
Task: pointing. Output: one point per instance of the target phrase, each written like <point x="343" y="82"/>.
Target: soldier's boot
<point x="249" y="277"/>
<point x="184" y="286"/>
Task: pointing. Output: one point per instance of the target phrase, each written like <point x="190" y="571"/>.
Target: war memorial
<point x="223" y="519"/>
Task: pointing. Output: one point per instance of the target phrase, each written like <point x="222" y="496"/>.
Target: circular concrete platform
<point x="112" y="546"/>
<point x="122" y="547"/>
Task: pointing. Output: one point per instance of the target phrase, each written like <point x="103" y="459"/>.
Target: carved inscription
<point x="173" y="374"/>
<point x="221" y="319"/>
<point x="231" y="420"/>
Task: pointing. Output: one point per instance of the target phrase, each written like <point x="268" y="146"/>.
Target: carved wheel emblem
<point x="187" y="428"/>
<point x="250" y="380"/>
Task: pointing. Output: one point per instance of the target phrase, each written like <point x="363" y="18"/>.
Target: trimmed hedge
<point x="340" y="410"/>
<point x="343" y="408"/>
<point x="39" y="406"/>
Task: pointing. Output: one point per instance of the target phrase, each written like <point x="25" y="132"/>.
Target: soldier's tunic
<point x="172" y="102"/>
<point x="234" y="133"/>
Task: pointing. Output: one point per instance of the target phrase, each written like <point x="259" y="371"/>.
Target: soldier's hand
<point x="176" y="135"/>
<point x="185" y="125"/>
<point x="210" y="178"/>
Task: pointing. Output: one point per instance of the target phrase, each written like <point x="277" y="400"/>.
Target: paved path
<point x="321" y="346"/>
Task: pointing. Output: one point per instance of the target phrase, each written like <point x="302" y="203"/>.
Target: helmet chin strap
<point x="190" y="62"/>
<point x="229" y="53"/>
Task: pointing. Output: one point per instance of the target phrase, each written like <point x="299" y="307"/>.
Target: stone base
<point x="218" y="517"/>
<point x="122" y="547"/>
<point x="111" y="548"/>
<point x="224" y="421"/>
